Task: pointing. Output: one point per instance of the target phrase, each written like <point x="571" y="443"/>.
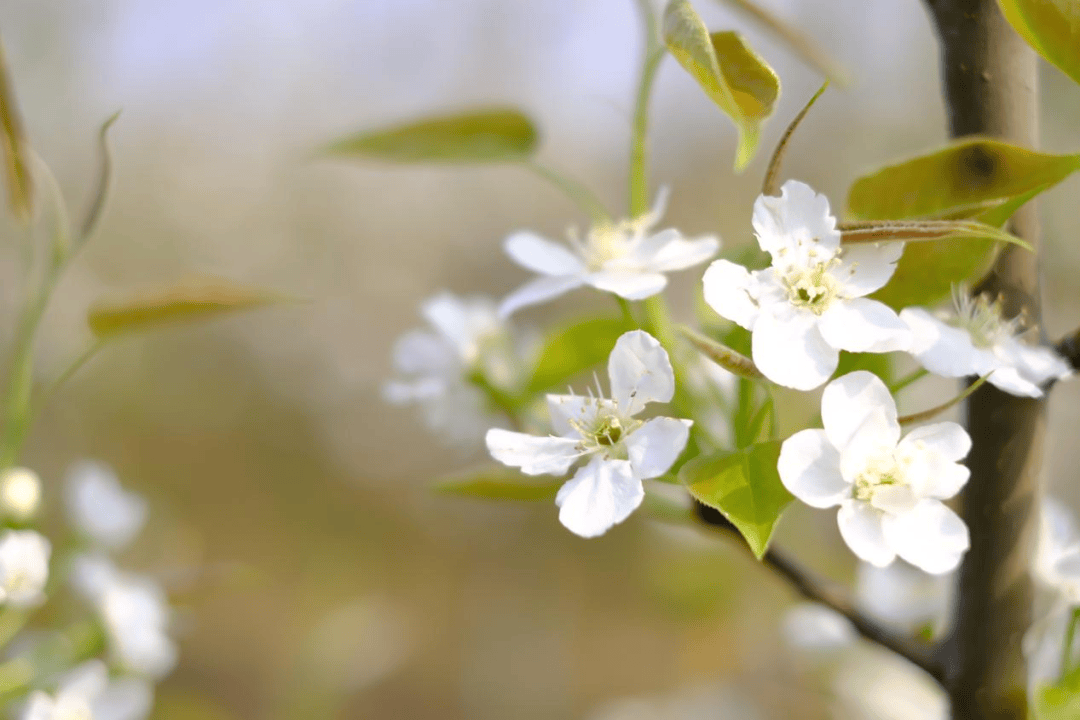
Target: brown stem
<point x="1069" y="348"/>
<point x="835" y="598"/>
<point x="991" y="88"/>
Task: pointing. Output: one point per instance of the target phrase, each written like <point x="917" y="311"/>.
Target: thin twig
<point x="1069" y="348"/>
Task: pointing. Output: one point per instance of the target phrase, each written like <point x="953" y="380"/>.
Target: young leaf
<point x="743" y="485"/>
<point x="1052" y="27"/>
<point x="976" y="178"/>
<point x="16" y="158"/>
<point x="499" y="483"/>
<point x="575" y="348"/>
<point x="481" y="136"/>
<point x="731" y="74"/>
<point x="194" y="299"/>
<point x="1060" y="701"/>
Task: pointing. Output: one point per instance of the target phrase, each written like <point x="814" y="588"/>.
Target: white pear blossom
<point x="904" y="597"/>
<point x="815" y="628"/>
<point x="99" y="507"/>
<point x="889" y="489"/>
<point x="810" y="303"/>
<point x="87" y="693"/>
<point x="24" y="567"/>
<point x="975" y="340"/>
<point x="622" y="449"/>
<point x="878" y="685"/>
<point x="440" y="369"/>
<point x="1056" y="570"/>
<point x="20" y="493"/>
<point x="625" y="258"/>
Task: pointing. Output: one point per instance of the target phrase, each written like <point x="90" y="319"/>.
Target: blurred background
<point x="317" y="575"/>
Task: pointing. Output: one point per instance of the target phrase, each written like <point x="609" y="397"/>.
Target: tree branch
<point x="826" y="593"/>
<point x="1069" y="348"/>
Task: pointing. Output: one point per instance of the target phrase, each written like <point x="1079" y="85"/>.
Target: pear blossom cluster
<point x="131" y="612"/>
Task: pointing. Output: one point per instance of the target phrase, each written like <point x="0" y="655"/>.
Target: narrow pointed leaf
<point x="575" y="348"/>
<point x="771" y="184"/>
<point x="101" y="190"/>
<point x="980" y="179"/>
<point x="727" y="69"/>
<point x="482" y="136"/>
<point x="16" y="153"/>
<point x="499" y="483"/>
<point x="195" y="299"/>
<point x="743" y="485"/>
<point x="1052" y="27"/>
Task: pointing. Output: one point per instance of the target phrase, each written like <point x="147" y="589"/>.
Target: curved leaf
<point x="745" y="486"/>
<point x="575" y="348"/>
<point x="481" y="136"/>
<point x="194" y="299"/>
<point x="727" y="69"/>
<point x="16" y="159"/>
<point x="499" y="483"/>
<point x="1052" y="27"/>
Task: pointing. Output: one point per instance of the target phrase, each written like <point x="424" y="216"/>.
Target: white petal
<point x="848" y="400"/>
<point x="862" y="325"/>
<point x="796" y="222"/>
<point x="860" y="526"/>
<point x="865" y="268"/>
<point x="809" y="467"/>
<point x="628" y="284"/>
<point x="894" y="499"/>
<point x="931" y="537"/>
<point x="601" y="494"/>
<point x="640" y="372"/>
<point x="568" y="412"/>
<point x="1039" y="364"/>
<point x="947" y="439"/>
<point x="534" y="455"/>
<point x="871" y="445"/>
<point x="813" y="627"/>
<point x="676" y="252"/>
<point x="730" y="290"/>
<point x="448" y="314"/>
<point x="789" y="350"/>
<point x="537" y="291"/>
<point x="422" y="352"/>
<point x="931" y="453"/>
<point x="542" y="255"/>
<point x="99" y="505"/>
<point x="942" y="349"/>
<point x="1013" y="382"/>
<point x="654" y="447"/>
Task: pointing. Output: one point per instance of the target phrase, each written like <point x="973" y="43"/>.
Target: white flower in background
<point x="904" y="597"/>
<point x="1056" y="570"/>
<point x="879" y="685"/>
<point x="99" y="507"/>
<point x="976" y="340"/>
<point x="439" y="369"/>
<point x="889" y="489"/>
<point x="625" y="258"/>
<point x="694" y="703"/>
<point x="87" y="693"/>
<point x="20" y="493"/>
<point x="810" y="303"/>
<point x="24" y="567"/>
<point x="815" y="628"/>
<point x="623" y="450"/>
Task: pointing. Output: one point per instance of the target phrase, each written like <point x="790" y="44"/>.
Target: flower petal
<point x="789" y="350"/>
<point x="947" y="439"/>
<point x="809" y="467"/>
<point x="542" y="255"/>
<point x="862" y="325"/>
<point x="860" y="526"/>
<point x="894" y="499"/>
<point x="568" y="412"/>
<point x="848" y="400"/>
<point x="640" y="372"/>
<point x="866" y="268"/>
<point x="534" y="455"/>
<point x="656" y="445"/>
<point x="931" y="537"/>
<point x="537" y="291"/>
<point x="795" y="223"/>
<point x="422" y="352"/>
<point x="871" y="445"/>
<point x="628" y="284"/>
<point x="942" y="349"/>
<point x="668" y="251"/>
<point x="601" y="494"/>
<point x="730" y="290"/>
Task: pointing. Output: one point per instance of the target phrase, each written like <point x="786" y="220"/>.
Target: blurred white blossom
<point x="87" y="693"/>
<point x="24" y="567"/>
<point x="1056" y="570"/>
<point x="20" y="493"/>
<point x="698" y="703"/>
<point x="99" y="507"/>
<point x="875" y="685"/>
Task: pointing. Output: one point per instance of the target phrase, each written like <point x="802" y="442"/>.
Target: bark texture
<point x="991" y="88"/>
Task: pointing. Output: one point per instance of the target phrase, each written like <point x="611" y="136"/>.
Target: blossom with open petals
<point x="622" y="450"/>
<point x="442" y="369"/>
<point x="889" y="488"/>
<point x="99" y="507"/>
<point x="24" y="567"/>
<point x="87" y="693"/>
<point x="624" y="258"/>
<point x="976" y="340"/>
<point x="810" y="303"/>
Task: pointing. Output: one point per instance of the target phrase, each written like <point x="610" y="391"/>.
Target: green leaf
<point x="575" y="348"/>
<point x="1060" y="701"/>
<point x="982" y="179"/>
<point x="727" y="69"/>
<point x="193" y="299"/>
<point x="482" y="136"/>
<point x="499" y="483"/>
<point x="1052" y="27"/>
<point x="15" y="151"/>
<point x="743" y="485"/>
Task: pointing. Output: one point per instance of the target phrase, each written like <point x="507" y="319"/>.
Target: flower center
<point x="982" y="319"/>
<point x="604" y="434"/>
<point x="813" y="287"/>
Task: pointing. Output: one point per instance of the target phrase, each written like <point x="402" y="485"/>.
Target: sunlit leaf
<point x="194" y="299"/>
<point x="744" y="486"/>
<point x="727" y="69"/>
<point x="16" y="158"/>
<point x="1052" y="27"/>
<point x="572" y="349"/>
<point x="481" y="136"/>
<point x="1060" y="701"/>
<point x="977" y="178"/>
<point x="499" y="483"/>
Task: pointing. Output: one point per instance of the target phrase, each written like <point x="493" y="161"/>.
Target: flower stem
<point x="927" y="414"/>
<point x="907" y="380"/>
<point x="1067" y="645"/>
<point x="574" y="190"/>
<point x="75" y="365"/>
<point x="639" y="150"/>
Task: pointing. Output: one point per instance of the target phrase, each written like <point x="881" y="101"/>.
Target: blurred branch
<point x="835" y="598"/>
<point x="1069" y="348"/>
